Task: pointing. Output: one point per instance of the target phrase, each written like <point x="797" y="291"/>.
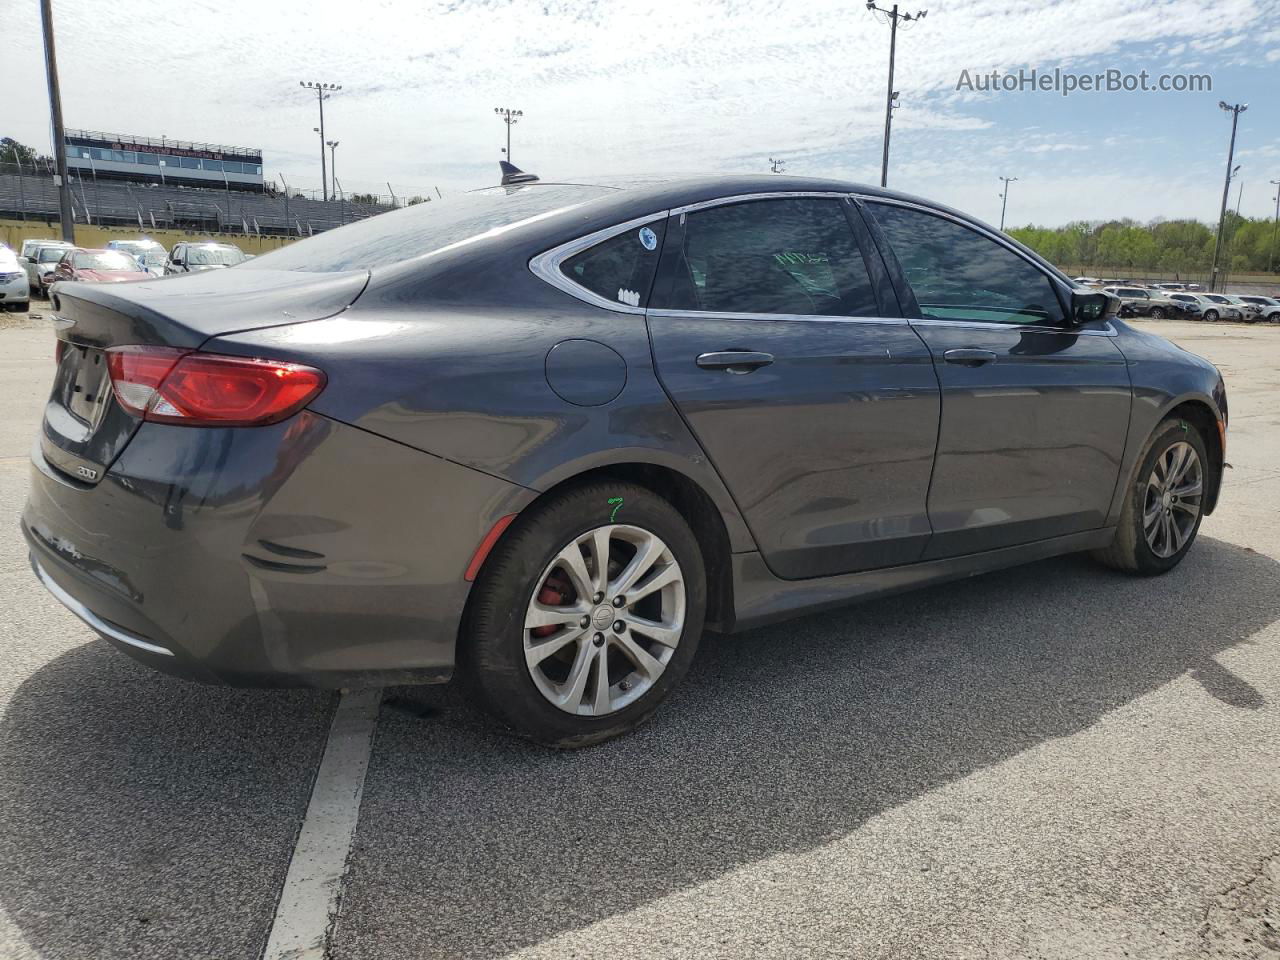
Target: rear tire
<point x="1163" y="506"/>
<point x="542" y="626"/>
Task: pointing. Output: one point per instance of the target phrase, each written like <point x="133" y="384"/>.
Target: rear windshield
<point x="424" y="228"/>
<point x="107" y="260"/>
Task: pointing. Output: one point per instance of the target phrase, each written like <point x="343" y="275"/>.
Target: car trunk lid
<point x="84" y="428"/>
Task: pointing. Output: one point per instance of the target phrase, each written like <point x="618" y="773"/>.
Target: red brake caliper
<point x="554" y="593"/>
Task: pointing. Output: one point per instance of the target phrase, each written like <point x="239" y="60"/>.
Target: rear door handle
<point x="969" y="358"/>
<point x="735" y="361"/>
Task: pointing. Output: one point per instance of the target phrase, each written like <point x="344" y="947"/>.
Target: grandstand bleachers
<point x="120" y="203"/>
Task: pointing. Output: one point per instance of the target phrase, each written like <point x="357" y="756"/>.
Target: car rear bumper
<point x="308" y="553"/>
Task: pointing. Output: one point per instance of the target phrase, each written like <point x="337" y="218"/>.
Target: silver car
<point x="14" y="286"/>
<point x="1218" y="306"/>
<point x="1268" y="307"/>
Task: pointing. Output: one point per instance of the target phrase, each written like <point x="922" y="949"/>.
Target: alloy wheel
<point x="1172" y="498"/>
<point x="604" y="620"/>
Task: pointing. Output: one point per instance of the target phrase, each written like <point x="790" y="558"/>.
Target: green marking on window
<point x="616" y="502"/>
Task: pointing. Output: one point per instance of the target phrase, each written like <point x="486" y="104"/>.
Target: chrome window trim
<point x="1107" y="331"/>
<point x="745" y="197"/>
<point x="92" y="619"/>
<point x="546" y="265"/>
<point x="726" y="315"/>
<point x="1055" y="281"/>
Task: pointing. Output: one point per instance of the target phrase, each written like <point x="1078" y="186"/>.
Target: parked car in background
<point x="539" y="436"/>
<point x="1192" y="308"/>
<point x="15" y="287"/>
<point x="1170" y="286"/>
<point x="1251" y="311"/>
<point x="98" y="266"/>
<point x="41" y="258"/>
<point x="197" y="257"/>
<point x="1268" y="307"/>
<point x="1220" y="307"/>
<point x="1086" y="281"/>
<point x="151" y="254"/>
<point x="1135" y="301"/>
<point x="29" y="245"/>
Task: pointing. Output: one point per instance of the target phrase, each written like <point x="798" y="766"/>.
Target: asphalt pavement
<point x="1054" y="761"/>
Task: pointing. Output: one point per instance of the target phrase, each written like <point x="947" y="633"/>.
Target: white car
<point x="39" y="259"/>
<point x="15" y="288"/>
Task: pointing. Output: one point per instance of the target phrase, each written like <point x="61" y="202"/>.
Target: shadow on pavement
<point x="143" y="816"/>
<point x="473" y="845"/>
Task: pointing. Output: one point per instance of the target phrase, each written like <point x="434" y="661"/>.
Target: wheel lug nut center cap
<point x="602" y="616"/>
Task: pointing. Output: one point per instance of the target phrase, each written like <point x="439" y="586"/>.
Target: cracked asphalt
<point x="1050" y="762"/>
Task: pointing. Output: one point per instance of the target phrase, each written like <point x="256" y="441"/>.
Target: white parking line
<point x="308" y="903"/>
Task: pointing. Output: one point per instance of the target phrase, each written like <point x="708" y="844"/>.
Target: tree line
<point x="1164" y="246"/>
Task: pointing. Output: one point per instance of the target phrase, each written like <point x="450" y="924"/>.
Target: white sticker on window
<point x="648" y="238"/>
<point x="628" y="296"/>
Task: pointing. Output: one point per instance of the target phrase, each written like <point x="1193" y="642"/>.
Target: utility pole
<point x="509" y="117"/>
<point x="59" y="135"/>
<point x="1004" y="198"/>
<point x="323" y="91"/>
<point x="891" y="94"/>
<point x="776" y="166"/>
<point x="1235" y="110"/>
<point x="1271" y="254"/>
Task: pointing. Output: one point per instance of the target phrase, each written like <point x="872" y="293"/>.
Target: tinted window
<point x="620" y="268"/>
<point x="957" y="273"/>
<point x="424" y="228"/>
<point x="786" y="256"/>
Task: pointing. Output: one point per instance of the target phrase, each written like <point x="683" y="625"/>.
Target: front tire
<point x="1157" y="313"/>
<point x="587" y="615"/>
<point x="1164" y="504"/>
<point x="1211" y="316"/>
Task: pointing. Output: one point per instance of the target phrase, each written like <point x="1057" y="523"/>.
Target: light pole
<point x="1004" y="198"/>
<point x="333" y="163"/>
<point x="891" y="94"/>
<point x="323" y="91"/>
<point x="1235" y="110"/>
<point x="1271" y="254"/>
<point x="509" y="117"/>
<point x="66" y="213"/>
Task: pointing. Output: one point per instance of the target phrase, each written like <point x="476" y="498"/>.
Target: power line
<point x="891" y="95"/>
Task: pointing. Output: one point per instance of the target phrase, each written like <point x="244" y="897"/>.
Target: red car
<point x="98" y="266"/>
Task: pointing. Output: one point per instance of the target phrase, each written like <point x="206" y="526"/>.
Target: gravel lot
<point x="1055" y="761"/>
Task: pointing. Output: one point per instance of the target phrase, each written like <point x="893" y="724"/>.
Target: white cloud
<point x="620" y="86"/>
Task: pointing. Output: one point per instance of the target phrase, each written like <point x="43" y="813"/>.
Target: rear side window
<point x="786" y="256"/>
<point x="958" y="273"/>
<point x="621" y="268"/>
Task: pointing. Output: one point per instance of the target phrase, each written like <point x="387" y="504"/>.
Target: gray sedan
<point x="542" y="436"/>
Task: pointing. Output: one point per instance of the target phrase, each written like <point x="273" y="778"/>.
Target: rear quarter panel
<point x="450" y="358"/>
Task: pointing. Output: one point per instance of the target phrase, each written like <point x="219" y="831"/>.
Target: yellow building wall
<point x="13" y="232"/>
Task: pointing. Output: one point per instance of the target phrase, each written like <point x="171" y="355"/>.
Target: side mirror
<point x="31" y="259"/>
<point x="1087" y="307"/>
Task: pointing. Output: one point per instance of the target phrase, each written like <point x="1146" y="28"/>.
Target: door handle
<point x="735" y="361"/>
<point x="969" y="358"/>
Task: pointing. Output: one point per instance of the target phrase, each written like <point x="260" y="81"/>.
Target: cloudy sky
<point x="624" y="86"/>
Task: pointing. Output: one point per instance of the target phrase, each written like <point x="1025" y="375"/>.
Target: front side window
<point x="958" y="273"/>
<point x="786" y="256"/>
<point x="621" y="268"/>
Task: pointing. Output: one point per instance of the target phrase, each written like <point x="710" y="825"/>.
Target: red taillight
<point x="59" y="348"/>
<point x="167" y="385"/>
